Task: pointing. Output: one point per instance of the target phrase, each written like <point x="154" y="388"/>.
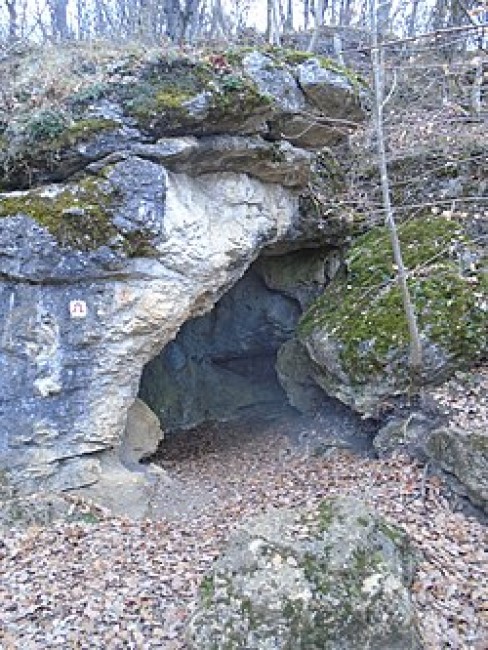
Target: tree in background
<point x="12" y="11"/>
<point x="197" y="20"/>
<point x="58" y="10"/>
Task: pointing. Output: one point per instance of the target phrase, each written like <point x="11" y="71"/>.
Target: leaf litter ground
<point x="109" y="582"/>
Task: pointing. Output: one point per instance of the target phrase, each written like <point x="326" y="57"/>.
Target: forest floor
<point x="109" y="582"/>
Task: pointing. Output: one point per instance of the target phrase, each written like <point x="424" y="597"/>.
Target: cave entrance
<point x="221" y="366"/>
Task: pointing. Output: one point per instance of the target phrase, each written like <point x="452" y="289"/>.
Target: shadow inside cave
<point x="220" y="371"/>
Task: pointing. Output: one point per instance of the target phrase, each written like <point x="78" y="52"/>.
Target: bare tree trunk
<point x="318" y="19"/>
<point x="415" y="360"/>
<point x="289" y="17"/>
<point x="383" y="16"/>
<point x="12" y="20"/>
<point x="477" y="87"/>
<point x="337" y="38"/>
<point x="281" y="12"/>
<point x="346" y="12"/>
<point x="59" y="18"/>
<point x="100" y="25"/>
<point x="173" y="19"/>
<point x="412" y="21"/>
<point x="306" y="14"/>
<point x="217" y="25"/>
<point x="192" y="19"/>
<point x="272" y="22"/>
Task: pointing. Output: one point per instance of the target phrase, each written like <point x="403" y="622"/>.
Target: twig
<point x="423" y="485"/>
<point x="392" y="89"/>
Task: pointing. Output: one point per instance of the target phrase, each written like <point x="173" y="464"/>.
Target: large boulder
<point x="310" y="95"/>
<point x="142" y="434"/>
<point x="356" y="333"/>
<point x="335" y="578"/>
<point x="344" y="90"/>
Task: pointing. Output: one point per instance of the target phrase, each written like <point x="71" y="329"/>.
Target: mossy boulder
<point x="334" y="578"/>
<point x="357" y="334"/>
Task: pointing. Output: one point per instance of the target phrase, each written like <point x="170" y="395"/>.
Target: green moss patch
<point x="45" y="144"/>
<point x="161" y="91"/>
<point x="161" y="99"/>
<point x="237" y="98"/>
<point x="83" y="130"/>
<point x="79" y="216"/>
<point x="364" y="312"/>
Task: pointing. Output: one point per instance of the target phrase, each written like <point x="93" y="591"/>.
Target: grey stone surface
<point x="334" y="579"/>
<point x="277" y="82"/>
<point x="66" y="383"/>
<point x="302" y="275"/>
<point x="331" y="91"/>
<point x="302" y="95"/>
<point x="296" y="374"/>
<point x="277" y="162"/>
<point x="408" y="434"/>
<point x="142" y="434"/>
<point x="464" y="454"/>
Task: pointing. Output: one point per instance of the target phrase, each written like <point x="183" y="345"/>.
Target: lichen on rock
<point x="335" y="577"/>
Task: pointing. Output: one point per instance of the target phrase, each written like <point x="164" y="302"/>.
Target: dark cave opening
<point x="221" y="366"/>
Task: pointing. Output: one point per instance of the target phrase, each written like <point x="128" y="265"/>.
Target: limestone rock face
<point x="80" y="318"/>
<point x="334" y="579"/>
<point x="142" y="434"/>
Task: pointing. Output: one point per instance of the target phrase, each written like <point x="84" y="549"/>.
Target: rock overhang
<point x="136" y="100"/>
<point x="121" y="232"/>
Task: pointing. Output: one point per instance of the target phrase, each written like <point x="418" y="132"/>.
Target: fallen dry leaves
<point x="124" y="584"/>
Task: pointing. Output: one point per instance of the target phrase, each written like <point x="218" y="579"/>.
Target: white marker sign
<point x="78" y="309"/>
